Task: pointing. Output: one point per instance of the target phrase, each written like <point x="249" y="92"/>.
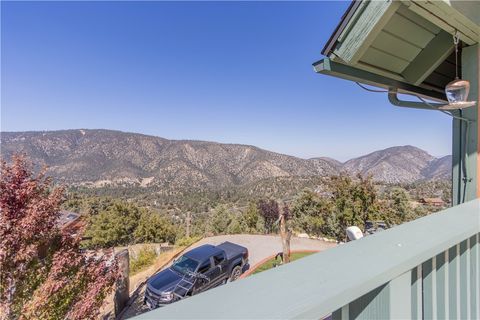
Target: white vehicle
<point x="354" y="233"/>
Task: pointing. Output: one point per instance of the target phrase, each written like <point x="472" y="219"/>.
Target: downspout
<point x="393" y="98"/>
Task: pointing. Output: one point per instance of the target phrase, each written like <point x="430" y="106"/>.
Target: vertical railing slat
<point x="452" y="282"/>
<point x="400" y="297"/>
<point x="478" y="276"/>
<point x="474" y="298"/>
<point x="373" y="305"/>
<point x="337" y="314"/>
<point x="444" y="287"/>
<point x="341" y="314"/>
<point x="464" y="280"/>
<point x="428" y="289"/>
<point x="416" y="293"/>
<point x="345" y="312"/>
<point x="441" y="302"/>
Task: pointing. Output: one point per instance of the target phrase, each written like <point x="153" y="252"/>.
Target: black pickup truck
<point x="197" y="270"/>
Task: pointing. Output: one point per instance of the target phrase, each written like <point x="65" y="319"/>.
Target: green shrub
<point x="145" y="258"/>
<point x="187" y="241"/>
<point x="153" y="228"/>
<point x="122" y="224"/>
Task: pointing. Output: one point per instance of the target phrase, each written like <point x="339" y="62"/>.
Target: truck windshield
<point x="184" y="265"/>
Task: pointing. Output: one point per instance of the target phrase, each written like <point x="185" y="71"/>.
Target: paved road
<point x="259" y="248"/>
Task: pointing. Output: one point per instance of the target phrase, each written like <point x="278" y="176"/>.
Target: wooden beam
<point x="382" y="72"/>
<point x="367" y="26"/>
<point x="449" y="20"/>
<point x="436" y="51"/>
<point x="464" y="15"/>
<point x="329" y="67"/>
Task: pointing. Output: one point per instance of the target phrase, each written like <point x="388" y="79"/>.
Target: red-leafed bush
<point x="43" y="272"/>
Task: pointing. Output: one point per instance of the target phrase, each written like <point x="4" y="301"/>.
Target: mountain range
<point x="107" y="157"/>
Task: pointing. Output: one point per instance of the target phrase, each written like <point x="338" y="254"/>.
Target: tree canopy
<point x="44" y="273"/>
<point x="122" y="223"/>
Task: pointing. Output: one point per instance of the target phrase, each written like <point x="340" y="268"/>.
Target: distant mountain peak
<point x="397" y="164"/>
<point x="99" y="157"/>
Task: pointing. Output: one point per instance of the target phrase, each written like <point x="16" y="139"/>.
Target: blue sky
<point x="236" y="72"/>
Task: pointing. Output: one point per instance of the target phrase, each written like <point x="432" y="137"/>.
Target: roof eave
<point x="332" y="41"/>
<point x="339" y="70"/>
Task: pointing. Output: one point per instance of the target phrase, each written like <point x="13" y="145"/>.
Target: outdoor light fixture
<point x="458" y="89"/>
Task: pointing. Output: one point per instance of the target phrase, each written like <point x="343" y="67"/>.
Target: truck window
<point x="185" y="265"/>
<point x="218" y="258"/>
<point x="204" y="267"/>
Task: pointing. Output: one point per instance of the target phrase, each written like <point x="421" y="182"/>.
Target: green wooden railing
<point x="424" y="269"/>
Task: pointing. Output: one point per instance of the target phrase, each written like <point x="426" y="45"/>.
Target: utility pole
<point x="285" y="231"/>
<point x="188" y="221"/>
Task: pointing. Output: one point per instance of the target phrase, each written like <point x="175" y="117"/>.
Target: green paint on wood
<point x="371" y="306"/>
<point x="415" y="18"/>
<point x="353" y="20"/>
<point x="444" y="20"/>
<point x="428" y="303"/>
<point x="337" y="315"/>
<point x="395" y="46"/>
<point x="457" y="160"/>
<point x="441" y="277"/>
<point x="373" y="18"/>
<point x="329" y="67"/>
<point x="453" y="17"/>
<point x="474" y="269"/>
<point x="400" y="297"/>
<point x="416" y="294"/>
<point x="381" y="72"/>
<point x="464" y="280"/>
<point x="384" y="60"/>
<point x="429" y="58"/>
<point x="409" y="31"/>
<point x="467" y="10"/>
<point x="452" y="282"/>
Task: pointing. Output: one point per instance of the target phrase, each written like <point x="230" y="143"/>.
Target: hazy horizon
<point x="234" y="143"/>
<point x="229" y="72"/>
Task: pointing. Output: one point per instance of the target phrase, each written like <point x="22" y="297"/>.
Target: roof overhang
<point x="406" y="44"/>
<point x="339" y="70"/>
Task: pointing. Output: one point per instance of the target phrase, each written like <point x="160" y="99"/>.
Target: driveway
<point x="264" y="246"/>
<point x="259" y="247"/>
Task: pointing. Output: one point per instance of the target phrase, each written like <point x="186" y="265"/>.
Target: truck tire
<point x="236" y="273"/>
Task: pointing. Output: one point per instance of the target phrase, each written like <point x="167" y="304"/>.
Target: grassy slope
<point x="270" y="263"/>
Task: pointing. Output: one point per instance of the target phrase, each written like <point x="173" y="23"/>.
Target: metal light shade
<point x="457" y="94"/>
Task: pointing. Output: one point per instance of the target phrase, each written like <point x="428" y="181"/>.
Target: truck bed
<point x="232" y="250"/>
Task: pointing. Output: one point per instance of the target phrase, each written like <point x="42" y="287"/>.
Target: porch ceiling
<point x="406" y="41"/>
